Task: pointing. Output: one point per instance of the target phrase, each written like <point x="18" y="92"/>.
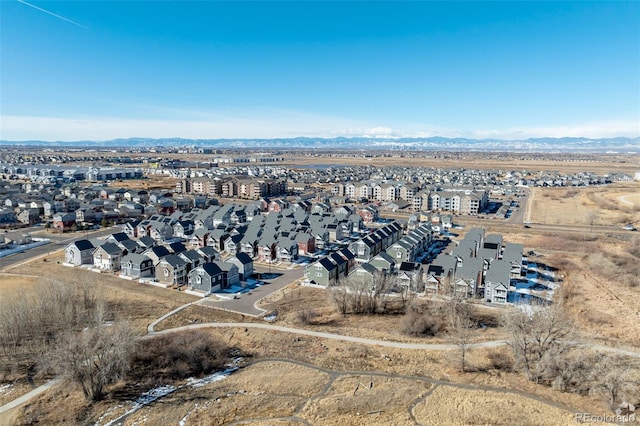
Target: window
<point x="318" y="274"/>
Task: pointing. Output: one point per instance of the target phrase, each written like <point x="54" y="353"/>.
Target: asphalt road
<point x="246" y="303"/>
<point x="58" y="242"/>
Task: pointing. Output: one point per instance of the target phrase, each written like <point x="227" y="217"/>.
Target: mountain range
<point x="574" y="145"/>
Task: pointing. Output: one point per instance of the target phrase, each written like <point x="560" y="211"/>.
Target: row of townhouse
<point x="71" y="172"/>
<point x="369" y="246"/>
<point x="479" y="267"/>
<point x="375" y="191"/>
<point x="467" y="201"/>
<point x="412" y="245"/>
<point x="330" y="269"/>
<point x="460" y="200"/>
<point x="396" y="259"/>
<point x="366" y="254"/>
<point x="169" y="264"/>
<point x="276" y="236"/>
<point x="233" y="187"/>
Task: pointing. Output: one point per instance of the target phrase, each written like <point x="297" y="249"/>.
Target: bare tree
<point x="362" y="295"/>
<point x="461" y="328"/>
<point x="339" y="296"/>
<point x="570" y="372"/>
<point x="592" y="218"/>
<point x="537" y="335"/>
<point x="94" y="357"/>
<point x="423" y="319"/>
<point x="613" y="379"/>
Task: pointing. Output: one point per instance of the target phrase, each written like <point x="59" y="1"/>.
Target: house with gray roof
<point x="108" y="257"/>
<point x="244" y="263"/>
<point x="171" y="270"/>
<point x="323" y="272"/>
<point x="384" y="263"/>
<point x="206" y="278"/>
<point x="230" y="274"/>
<point x="497" y="281"/>
<point x="136" y="266"/>
<point x="79" y="253"/>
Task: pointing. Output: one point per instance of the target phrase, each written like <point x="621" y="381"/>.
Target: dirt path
<point x="623" y="199"/>
<point x="26" y="397"/>
<point x="372" y="342"/>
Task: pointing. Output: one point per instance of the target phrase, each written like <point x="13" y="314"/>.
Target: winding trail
<point x="27" y="396"/>
<point x="372" y="342"/>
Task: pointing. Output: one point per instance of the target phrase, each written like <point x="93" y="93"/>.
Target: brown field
<point x="140" y="304"/>
<point x="151" y="183"/>
<point x="611" y="205"/>
<point x="599" y="163"/>
<point x="479" y="407"/>
<point x="328" y="382"/>
<point x="604" y="164"/>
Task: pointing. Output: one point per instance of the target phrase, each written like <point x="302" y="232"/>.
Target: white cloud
<point x="272" y="124"/>
<point x="278" y="125"/>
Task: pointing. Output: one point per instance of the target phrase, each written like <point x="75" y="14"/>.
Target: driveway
<point x="246" y="303"/>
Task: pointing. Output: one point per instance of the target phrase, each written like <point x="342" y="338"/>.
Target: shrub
<point x="178" y="355"/>
<point x="422" y="321"/>
<point x="501" y="361"/>
<point x="306" y="316"/>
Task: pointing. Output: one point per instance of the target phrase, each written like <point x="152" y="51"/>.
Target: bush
<point x="422" y="321"/>
<point x="177" y="356"/>
<point x="500" y="360"/>
<point x="306" y="316"/>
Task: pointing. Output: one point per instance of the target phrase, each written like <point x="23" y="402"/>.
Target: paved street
<point x="246" y="303"/>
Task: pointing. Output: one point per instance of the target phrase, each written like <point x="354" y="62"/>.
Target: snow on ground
<point x="215" y="377"/>
<point x="270" y="318"/>
<point x="143" y="400"/>
<point x="6" y="389"/>
<point x="162" y="391"/>
<point x="183" y="421"/>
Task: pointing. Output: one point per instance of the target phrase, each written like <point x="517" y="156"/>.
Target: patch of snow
<point x="162" y="391"/>
<point x="270" y="318"/>
<point x="145" y="399"/>
<point x="183" y="421"/>
<point x="6" y="389"/>
<point x="137" y="422"/>
<point x="212" y="378"/>
<point x="109" y="411"/>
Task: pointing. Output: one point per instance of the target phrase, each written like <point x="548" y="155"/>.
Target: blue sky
<point x="284" y="69"/>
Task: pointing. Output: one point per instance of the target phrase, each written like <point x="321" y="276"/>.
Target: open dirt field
<point x="151" y="183"/>
<point x="610" y="205"/>
<point x="599" y="163"/>
<point x="502" y="161"/>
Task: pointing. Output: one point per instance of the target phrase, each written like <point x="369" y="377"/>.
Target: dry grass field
<point x="501" y="161"/>
<point x="140" y="304"/>
<point x="290" y="380"/>
<point x="611" y="205"/>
